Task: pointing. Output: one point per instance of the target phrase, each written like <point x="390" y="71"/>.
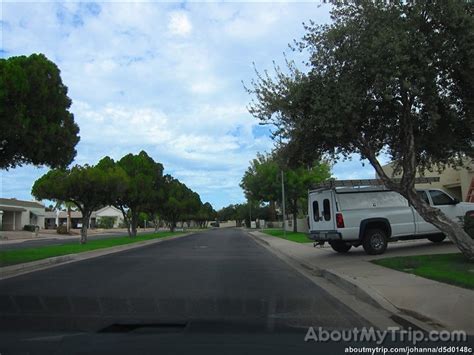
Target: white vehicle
<point x="349" y="213"/>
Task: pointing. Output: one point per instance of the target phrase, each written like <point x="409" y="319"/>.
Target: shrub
<point x="106" y="222"/>
<point x="29" y="227"/>
<point x="62" y="230"/>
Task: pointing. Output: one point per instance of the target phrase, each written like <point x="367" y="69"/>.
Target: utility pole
<point x="250" y="215"/>
<point x="283" y="201"/>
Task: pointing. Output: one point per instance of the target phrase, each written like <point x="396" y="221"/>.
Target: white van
<point x="347" y="213"/>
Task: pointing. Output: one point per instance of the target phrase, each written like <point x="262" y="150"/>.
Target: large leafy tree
<point x="143" y="190"/>
<point x="260" y="182"/>
<point x="36" y="124"/>
<point x="192" y="205"/>
<point x="393" y="78"/>
<point x="176" y="207"/>
<point x="87" y="187"/>
<point x="205" y="214"/>
<point x="297" y="183"/>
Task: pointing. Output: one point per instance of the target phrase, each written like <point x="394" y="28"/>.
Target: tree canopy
<point x="262" y="180"/>
<point x="392" y="78"/>
<point x="135" y="184"/>
<point x="144" y="184"/>
<point x="87" y="187"/>
<point x="36" y="124"/>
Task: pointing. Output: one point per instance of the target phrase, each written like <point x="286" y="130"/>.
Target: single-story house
<point x="15" y="214"/>
<point x="53" y="219"/>
<point x="110" y="211"/>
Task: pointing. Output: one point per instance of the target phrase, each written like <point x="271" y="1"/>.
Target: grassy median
<point x="18" y="256"/>
<point x="291" y="236"/>
<point x="449" y="268"/>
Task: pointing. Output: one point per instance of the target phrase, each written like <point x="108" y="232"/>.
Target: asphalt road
<point x="219" y="277"/>
<point x="55" y="241"/>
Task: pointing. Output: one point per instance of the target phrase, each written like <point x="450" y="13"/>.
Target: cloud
<point x="162" y="77"/>
<point x="179" y="24"/>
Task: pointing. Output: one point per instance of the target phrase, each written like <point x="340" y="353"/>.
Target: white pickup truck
<point x="347" y="215"/>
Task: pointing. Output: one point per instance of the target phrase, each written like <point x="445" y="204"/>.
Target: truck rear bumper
<point x="321" y="236"/>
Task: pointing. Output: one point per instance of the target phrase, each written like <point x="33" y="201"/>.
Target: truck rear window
<point x="326" y="210"/>
<point x="316" y="211"/>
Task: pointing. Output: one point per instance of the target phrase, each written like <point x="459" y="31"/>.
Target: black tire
<point x="375" y="241"/>
<point x="438" y="238"/>
<point x="340" y="247"/>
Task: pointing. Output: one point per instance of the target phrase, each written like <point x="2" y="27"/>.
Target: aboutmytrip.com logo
<point x="411" y="336"/>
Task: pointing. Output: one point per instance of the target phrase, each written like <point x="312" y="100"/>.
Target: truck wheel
<point x="340" y="247"/>
<point x="375" y="241"/>
<point x="438" y="238"/>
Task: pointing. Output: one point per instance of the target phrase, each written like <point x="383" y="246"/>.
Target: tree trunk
<point x="157" y="222"/>
<point x="68" y="222"/>
<point x="449" y="227"/>
<point x="295" y="215"/>
<point x="272" y="211"/>
<point x="406" y="188"/>
<point x="85" y="225"/>
<point x="125" y="219"/>
<point x="134" y="223"/>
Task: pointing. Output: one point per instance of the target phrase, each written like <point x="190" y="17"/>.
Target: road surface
<point x="213" y="276"/>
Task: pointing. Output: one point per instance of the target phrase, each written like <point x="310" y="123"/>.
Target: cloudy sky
<point x="165" y="77"/>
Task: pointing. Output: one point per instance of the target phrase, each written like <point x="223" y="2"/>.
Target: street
<point x="216" y="275"/>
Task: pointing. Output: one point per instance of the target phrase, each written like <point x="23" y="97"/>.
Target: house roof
<point x="99" y="211"/>
<point x="63" y="214"/>
<point x="12" y="209"/>
<point x="20" y="203"/>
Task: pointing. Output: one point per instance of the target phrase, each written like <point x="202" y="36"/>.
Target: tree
<point x="206" y="213"/>
<point x="297" y="183"/>
<point x="36" y="125"/>
<point x="68" y="206"/>
<point x="241" y="213"/>
<point x="191" y="205"/>
<point x="144" y="181"/>
<point x="262" y="180"/>
<point x="261" y="183"/>
<point x="393" y="78"/>
<point x="176" y="204"/>
<point x="87" y="187"/>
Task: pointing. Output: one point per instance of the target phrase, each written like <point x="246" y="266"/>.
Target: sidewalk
<point x="434" y="303"/>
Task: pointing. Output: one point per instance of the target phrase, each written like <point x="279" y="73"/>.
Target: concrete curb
<point x="363" y="292"/>
<point x="25" y="268"/>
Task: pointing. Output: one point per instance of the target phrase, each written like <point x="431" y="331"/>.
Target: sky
<point x="164" y="77"/>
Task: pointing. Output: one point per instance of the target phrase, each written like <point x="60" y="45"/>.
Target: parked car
<point x="351" y="213"/>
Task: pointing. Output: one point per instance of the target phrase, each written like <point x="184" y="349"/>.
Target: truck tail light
<point x="339" y="220"/>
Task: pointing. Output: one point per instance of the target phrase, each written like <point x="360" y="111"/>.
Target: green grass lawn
<point x="10" y="257"/>
<point x="291" y="236"/>
<point x="449" y="268"/>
